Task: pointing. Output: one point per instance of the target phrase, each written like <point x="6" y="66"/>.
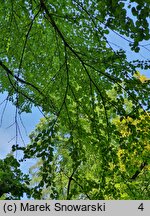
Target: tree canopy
<point x="93" y="139"/>
<point x="13" y="183"/>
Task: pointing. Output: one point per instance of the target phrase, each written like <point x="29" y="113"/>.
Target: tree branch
<point x="19" y="79"/>
<point x="138" y="171"/>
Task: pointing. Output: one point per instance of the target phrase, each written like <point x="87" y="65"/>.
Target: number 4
<point x="141" y="207"/>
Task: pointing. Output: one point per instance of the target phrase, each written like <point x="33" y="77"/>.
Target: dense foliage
<point x="93" y="142"/>
<point x="13" y="183"/>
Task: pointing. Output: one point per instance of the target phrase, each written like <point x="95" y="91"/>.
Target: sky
<point x="8" y="127"/>
<point x="118" y="43"/>
<point x="8" y="130"/>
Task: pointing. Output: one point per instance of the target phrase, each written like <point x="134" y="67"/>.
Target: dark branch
<point x="139" y="171"/>
<point x="19" y="79"/>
